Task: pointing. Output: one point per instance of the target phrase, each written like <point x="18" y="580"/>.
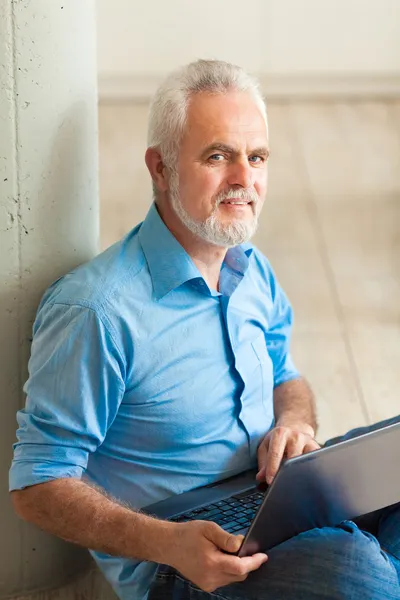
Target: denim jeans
<point x="354" y="561"/>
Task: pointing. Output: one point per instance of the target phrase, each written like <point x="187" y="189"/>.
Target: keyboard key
<point x="210" y="514"/>
<point x="200" y="511"/>
<point x="227" y="512"/>
<point x="228" y="526"/>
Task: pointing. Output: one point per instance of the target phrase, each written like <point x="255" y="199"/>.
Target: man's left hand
<point x="283" y="441"/>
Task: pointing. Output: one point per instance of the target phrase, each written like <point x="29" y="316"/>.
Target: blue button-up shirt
<point x="147" y="381"/>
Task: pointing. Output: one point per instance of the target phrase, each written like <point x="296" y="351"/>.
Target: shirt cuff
<point x="35" y="464"/>
<point x="285" y="376"/>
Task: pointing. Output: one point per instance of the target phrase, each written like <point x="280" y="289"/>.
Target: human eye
<point x="217" y="157"/>
<point x="256" y="159"/>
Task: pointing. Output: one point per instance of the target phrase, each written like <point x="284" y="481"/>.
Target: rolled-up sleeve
<point x="278" y="335"/>
<point x="75" y="387"/>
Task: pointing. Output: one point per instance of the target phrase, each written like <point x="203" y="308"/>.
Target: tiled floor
<point x="331" y="228"/>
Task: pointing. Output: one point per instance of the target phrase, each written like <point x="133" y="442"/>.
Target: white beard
<point x="212" y="230"/>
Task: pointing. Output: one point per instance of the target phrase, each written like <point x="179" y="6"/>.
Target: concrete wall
<point x="48" y="225"/>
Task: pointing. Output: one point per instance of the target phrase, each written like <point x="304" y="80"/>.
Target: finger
<point x="239" y="567"/>
<point x="295" y="445"/>
<point x="311" y="446"/>
<point x="222" y="539"/>
<point x="234" y="579"/>
<point x="261" y="475"/>
<point x="252" y="563"/>
<point x="276" y="451"/>
<point x="262" y="456"/>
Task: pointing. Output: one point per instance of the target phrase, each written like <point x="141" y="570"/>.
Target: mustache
<point x="246" y="195"/>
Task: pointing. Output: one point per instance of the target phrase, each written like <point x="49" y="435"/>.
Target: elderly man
<point x="164" y="364"/>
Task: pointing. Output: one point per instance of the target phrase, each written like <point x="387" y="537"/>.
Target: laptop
<point x="344" y="481"/>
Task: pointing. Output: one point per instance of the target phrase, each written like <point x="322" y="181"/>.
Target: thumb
<point x="224" y="540"/>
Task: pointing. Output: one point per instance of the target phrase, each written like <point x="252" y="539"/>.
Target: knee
<point x="343" y="546"/>
<point x="334" y="561"/>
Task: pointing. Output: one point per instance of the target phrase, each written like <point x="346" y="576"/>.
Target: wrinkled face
<point x="221" y="179"/>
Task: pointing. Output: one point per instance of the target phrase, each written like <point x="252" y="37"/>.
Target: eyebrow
<point x="219" y="146"/>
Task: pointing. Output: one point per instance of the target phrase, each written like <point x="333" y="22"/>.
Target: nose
<point x="241" y="174"/>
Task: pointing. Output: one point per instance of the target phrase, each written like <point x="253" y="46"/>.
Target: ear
<point x="157" y="169"/>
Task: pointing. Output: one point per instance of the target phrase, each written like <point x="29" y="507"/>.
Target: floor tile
<point x="323" y="359"/>
<point x="363" y="240"/>
<point x="286" y="174"/>
<point x="349" y="148"/>
<point x="352" y="158"/>
<point x="330" y="227"/>
<point x="377" y="355"/>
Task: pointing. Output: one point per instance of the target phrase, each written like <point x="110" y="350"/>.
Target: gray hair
<point x="168" y="110"/>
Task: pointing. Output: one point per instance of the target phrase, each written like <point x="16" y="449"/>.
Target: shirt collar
<point x="169" y="264"/>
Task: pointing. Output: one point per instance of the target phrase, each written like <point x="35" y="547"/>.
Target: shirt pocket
<point x="265" y="367"/>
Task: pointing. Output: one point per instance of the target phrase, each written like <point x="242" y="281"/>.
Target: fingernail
<point x="270" y="479"/>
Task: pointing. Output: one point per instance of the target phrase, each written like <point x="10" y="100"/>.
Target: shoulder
<point x="262" y="269"/>
<point x="95" y="283"/>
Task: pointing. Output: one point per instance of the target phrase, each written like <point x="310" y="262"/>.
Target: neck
<point x="207" y="257"/>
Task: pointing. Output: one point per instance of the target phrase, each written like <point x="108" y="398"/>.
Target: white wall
<point x="286" y="39"/>
<point x="344" y="36"/>
<point x="154" y="37"/>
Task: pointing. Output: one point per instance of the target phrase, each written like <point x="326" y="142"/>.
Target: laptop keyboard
<point x="233" y="514"/>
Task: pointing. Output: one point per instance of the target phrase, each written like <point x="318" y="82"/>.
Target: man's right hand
<point x="198" y="551"/>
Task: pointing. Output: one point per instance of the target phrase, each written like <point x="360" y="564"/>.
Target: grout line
<point x="312" y="208"/>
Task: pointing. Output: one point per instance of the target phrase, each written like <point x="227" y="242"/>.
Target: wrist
<point x="165" y="541"/>
<point x="156" y="537"/>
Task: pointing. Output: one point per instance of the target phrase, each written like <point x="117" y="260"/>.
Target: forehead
<point x="233" y="118"/>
